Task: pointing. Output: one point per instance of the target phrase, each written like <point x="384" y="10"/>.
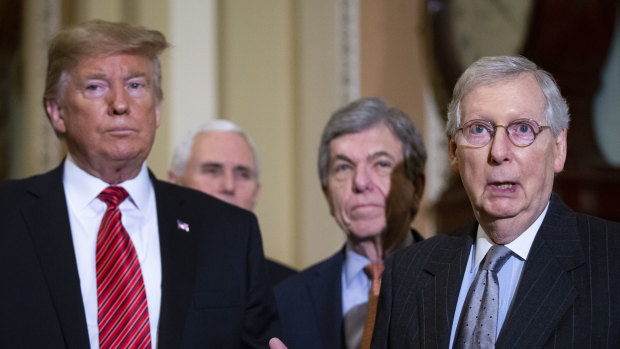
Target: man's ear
<point x="55" y="114"/>
<point x="560" y="151"/>
<point x="172" y="178"/>
<point x="157" y="114"/>
<point x="454" y="160"/>
<point x="255" y="195"/>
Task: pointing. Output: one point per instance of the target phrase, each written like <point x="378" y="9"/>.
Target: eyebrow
<point x="136" y="74"/>
<point x="243" y="167"/>
<point x="372" y="156"/>
<point x="102" y="76"/>
<point x="379" y="154"/>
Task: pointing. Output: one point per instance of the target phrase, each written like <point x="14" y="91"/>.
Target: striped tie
<point x="123" y="314"/>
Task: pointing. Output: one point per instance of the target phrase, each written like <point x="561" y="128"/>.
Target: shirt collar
<point x="354" y="263"/>
<point x="83" y="188"/>
<point x="520" y="246"/>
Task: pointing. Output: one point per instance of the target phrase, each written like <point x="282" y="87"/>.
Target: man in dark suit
<point x="98" y="252"/>
<point x="371" y="166"/>
<point x="559" y="285"/>
<point x="219" y="159"/>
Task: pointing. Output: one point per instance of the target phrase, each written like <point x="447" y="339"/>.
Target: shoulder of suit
<point x="428" y="246"/>
<point x="325" y="268"/>
<point x="196" y="198"/>
<point x="24" y="189"/>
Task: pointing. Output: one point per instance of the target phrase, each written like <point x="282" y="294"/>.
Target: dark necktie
<point x="123" y="315"/>
<point x="373" y="271"/>
<point x="478" y="325"/>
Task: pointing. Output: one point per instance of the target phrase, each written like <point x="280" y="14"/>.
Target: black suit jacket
<point x="568" y="296"/>
<point x="215" y="289"/>
<point x="310" y="305"/>
<point x="278" y="272"/>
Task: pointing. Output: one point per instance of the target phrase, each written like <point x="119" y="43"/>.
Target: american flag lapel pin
<point x="182" y="225"/>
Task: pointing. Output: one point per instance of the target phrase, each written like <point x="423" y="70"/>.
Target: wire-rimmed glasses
<point x="521" y="132"/>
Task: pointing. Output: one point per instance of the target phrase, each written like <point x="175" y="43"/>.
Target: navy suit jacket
<point x="215" y="289"/>
<point x="310" y="305"/>
<point x="278" y="272"/>
<point x="568" y="295"/>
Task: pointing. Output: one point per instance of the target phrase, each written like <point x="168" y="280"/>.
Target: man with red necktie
<point x="98" y="252"/>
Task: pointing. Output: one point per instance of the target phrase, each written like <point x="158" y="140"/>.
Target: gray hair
<point x="488" y="70"/>
<point x="364" y="114"/>
<point x="183" y="150"/>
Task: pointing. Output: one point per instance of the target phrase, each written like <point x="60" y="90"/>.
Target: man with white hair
<point x="528" y="272"/>
<point x="219" y="159"/>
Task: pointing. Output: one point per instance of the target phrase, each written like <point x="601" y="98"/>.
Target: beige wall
<point x="278" y="82"/>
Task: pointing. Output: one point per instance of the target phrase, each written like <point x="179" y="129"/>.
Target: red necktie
<point x="123" y="314"/>
<point x="373" y="271"/>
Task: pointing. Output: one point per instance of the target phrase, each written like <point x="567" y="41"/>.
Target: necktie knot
<point x="496" y="258"/>
<point x="113" y="195"/>
<point x="374" y="270"/>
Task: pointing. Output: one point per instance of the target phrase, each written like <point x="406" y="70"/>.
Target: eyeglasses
<point x="521" y="132"/>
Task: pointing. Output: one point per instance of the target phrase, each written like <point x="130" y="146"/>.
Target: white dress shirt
<point x="139" y="217"/>
<point x="508" y="276"/>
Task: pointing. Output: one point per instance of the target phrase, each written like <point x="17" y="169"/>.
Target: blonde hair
<point x="95" y="38"/>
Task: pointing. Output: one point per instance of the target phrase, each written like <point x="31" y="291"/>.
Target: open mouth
<point x="504" y="186"/>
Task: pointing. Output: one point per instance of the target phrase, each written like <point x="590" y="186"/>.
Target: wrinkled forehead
<point x="519" y="96"/>
<point x="375" y="141"/>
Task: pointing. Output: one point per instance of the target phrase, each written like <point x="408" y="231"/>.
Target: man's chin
<point x="365" y="235"/>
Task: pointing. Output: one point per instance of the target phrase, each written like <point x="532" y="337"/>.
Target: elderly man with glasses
<point x="529" y="272"/>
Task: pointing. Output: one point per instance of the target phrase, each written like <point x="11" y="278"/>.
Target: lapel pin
<point x="182" y="225"/>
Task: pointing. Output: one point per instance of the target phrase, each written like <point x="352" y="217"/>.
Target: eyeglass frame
<point x="495" y="126"/>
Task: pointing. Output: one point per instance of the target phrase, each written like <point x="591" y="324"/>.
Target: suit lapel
<point x="546" y="289"/>
<point x="47" y="221"/>
<point x="178" y="264"/>
<point x="446" y="268"/>
<point x="326" y="294"/>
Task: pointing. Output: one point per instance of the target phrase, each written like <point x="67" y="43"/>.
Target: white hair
<point x="182" y="151"/>
<point x="488" y="70"/>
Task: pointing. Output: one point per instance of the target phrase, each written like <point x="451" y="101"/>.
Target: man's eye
<point x="92" y="87"/>
<point x="211" y="171"/>
<point x="478" y="129"/>
<point x="342" y="167"/>
<point x="243" y="174"/>
<point x="524" y="128"/>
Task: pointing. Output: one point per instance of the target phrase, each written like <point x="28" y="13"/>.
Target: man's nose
<point x="118" y="103"/>
<point x="228" y="182"/>
<point x="501" y="146"/>
<point x="362" y="179"/>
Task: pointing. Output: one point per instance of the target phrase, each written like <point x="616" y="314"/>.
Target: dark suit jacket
<point x="568" y="296"/>
<point x="278" y="272"/>
<point x="310" y="305"/>
<point x="215" y="290"/>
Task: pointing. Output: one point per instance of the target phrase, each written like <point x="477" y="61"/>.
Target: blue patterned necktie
<point x="478" y="325"/>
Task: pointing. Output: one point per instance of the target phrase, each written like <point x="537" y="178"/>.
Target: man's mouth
<point x="504" y="185"/>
